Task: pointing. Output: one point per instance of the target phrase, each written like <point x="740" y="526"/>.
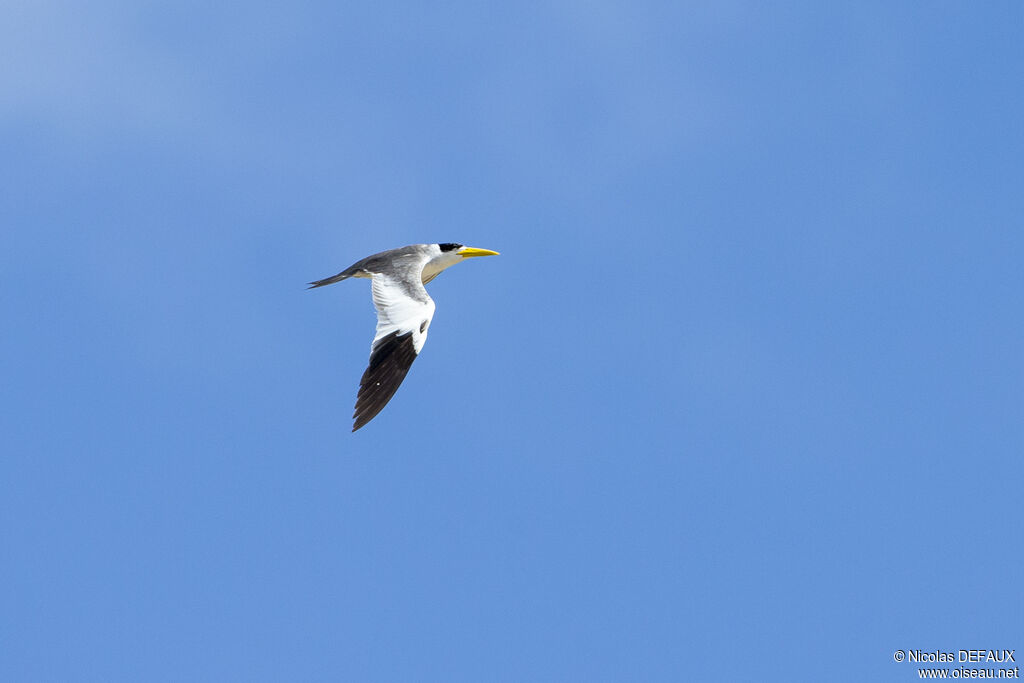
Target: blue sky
<point x="740" y="400"/>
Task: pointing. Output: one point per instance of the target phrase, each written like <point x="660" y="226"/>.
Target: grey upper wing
<point x="383" y="262"/>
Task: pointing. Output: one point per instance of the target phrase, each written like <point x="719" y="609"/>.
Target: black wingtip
<point x="390" y="360"/>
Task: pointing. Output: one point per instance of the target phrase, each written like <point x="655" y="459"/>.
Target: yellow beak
<point x="469" y="252"/>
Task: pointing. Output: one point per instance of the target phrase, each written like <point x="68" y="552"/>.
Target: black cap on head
<point x="450" y="246"/>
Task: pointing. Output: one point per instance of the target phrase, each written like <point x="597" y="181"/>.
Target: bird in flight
<point x="404" y="311"/>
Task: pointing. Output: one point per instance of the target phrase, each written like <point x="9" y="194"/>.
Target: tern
<point x="404" y="312"/>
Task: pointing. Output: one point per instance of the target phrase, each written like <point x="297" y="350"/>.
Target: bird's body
<point x="404" y="312"/>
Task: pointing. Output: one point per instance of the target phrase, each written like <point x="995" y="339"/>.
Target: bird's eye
<point x="450" y="246"/>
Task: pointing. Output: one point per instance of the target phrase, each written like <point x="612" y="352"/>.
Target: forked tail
<point x="343" y="275"/>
